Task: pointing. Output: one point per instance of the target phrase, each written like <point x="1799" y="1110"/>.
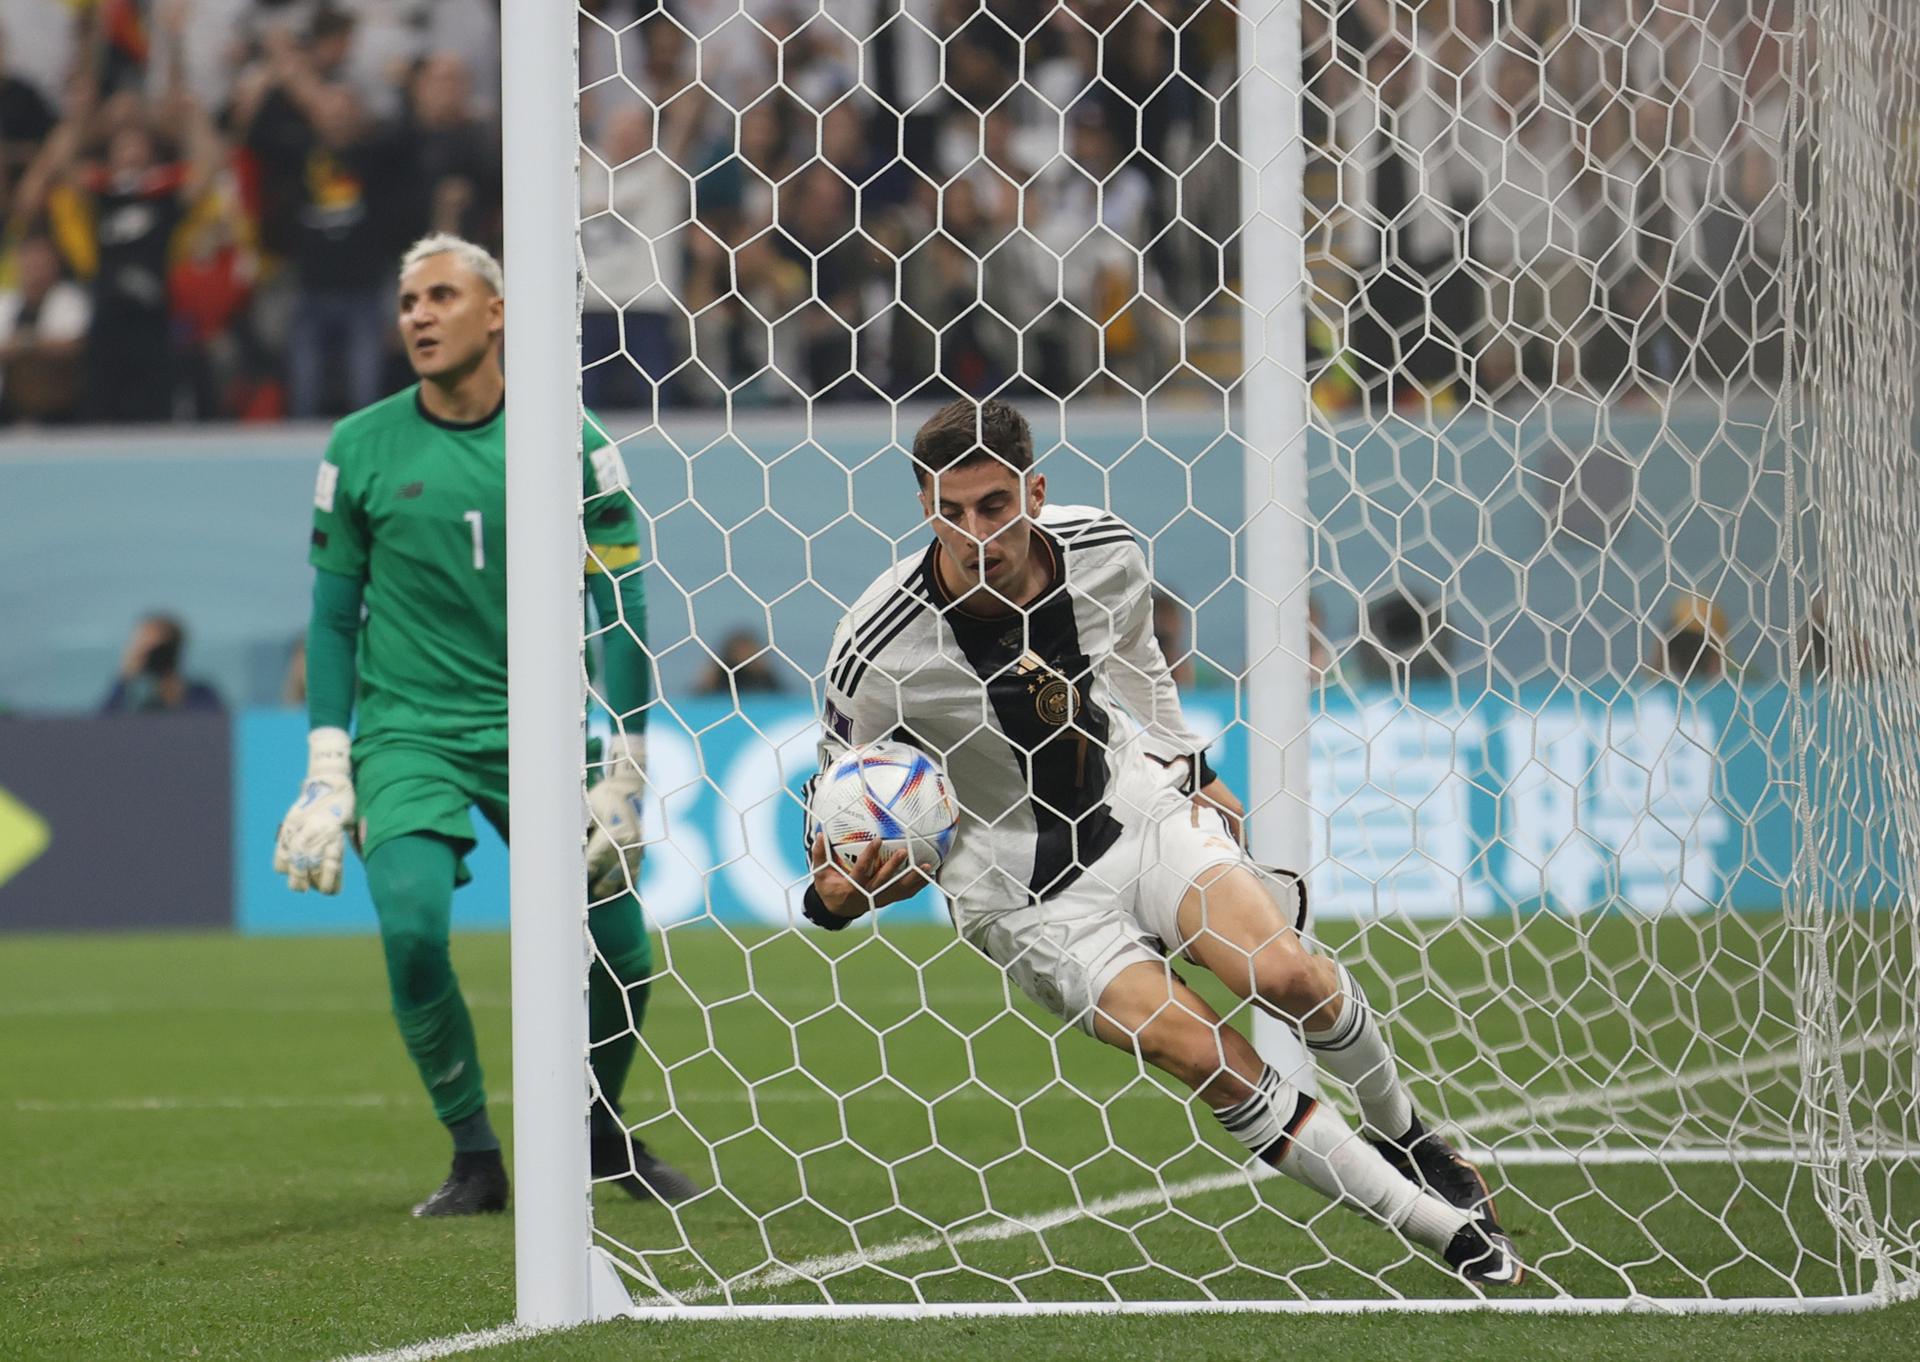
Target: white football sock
<point x="1312" y="1144"/>
<point x="1354" y="1050"/>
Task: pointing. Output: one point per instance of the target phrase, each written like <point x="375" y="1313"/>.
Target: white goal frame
<point x="562" y="1276"/>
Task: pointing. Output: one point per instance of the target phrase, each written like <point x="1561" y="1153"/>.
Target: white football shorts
<point x="1123" y="909"/>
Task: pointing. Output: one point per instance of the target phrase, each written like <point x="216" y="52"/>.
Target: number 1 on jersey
<point x="479" y="540"/>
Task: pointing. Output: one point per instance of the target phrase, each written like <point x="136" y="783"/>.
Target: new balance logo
<point x="412" y="490"/>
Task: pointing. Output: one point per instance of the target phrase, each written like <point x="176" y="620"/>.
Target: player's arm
<point x="838" y="895"/>
<point x="1143" y="682"/>
<point x="310" y="848"/>
<point x="201" y="142"/>
<point x="616" y="590"/>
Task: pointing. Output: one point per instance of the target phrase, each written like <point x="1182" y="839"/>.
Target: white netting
<point x="1609" y="474"/>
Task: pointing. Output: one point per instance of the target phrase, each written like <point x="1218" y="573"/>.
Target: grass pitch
<point x="209" y="1143"/>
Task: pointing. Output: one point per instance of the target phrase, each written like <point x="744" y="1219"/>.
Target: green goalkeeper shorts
<point x="403" y="787"/>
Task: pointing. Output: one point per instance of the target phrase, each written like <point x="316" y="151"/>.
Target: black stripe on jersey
<point x="1067" y="531"/>
<point x="1126" y="537"/>
<point x="874" y="649"/>
<point x="904" y="603"/>
<point x="1059" y="741"/>
<point x="857" y="640"/>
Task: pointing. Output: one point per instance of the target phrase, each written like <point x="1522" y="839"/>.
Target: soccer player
<point x="1089" y="853"/>
<point x="409" y="607"/>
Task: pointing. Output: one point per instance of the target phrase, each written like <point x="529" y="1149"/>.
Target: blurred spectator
<point x="211" y="284"/>
<point x="1404" y="639"/>
<point x="1694" y="645"/>
<point x="1762" y="185"/>
<point x="1092" y="215"/>
<point x="150" y="679"/>
<point x="458" y="154"/>
<point x="1403" y="229"/>
<point x="352" y="198"/>
<point x="941" y="311"/>
<point x="42" y="40"/>
<point x="26" y="117"/>
<point x="635" y="205"/>
<point x="43" y="332"/>
<point x="211" y="46"/>
<point x="744" y="667"/>
<point x="468" y="30"/>
<point x="816" y="212"/>
<point x="1663" y="150"/>
<point x="114" y="201"/>
<point x="1507" y="197"/>
<point x="1526" y="236"/>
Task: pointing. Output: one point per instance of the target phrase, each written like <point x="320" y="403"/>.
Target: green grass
<point x="207" y="1146"/>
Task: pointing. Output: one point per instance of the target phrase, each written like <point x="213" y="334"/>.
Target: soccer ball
<point x="886" y="792"/>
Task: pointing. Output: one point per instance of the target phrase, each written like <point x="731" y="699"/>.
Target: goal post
<point x="1516" y="405"/>
<point x="1273" y="401"/>
<point x="557" y="1278"/>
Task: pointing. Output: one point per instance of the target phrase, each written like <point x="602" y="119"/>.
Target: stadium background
<point x="231" y="286"/>
<point x="240" y="579"/>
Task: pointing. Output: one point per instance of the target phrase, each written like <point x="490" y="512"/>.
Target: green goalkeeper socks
<point x="412" y="883"/>
<point x="616" y="1003"/>
<point x="474" y="1134"/>
<point x="439" y="1037"/>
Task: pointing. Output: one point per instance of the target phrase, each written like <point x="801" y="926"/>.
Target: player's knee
<point x="628" y="968"/>
<point x="1296" y="983"/>
<point x="419" y="966"/>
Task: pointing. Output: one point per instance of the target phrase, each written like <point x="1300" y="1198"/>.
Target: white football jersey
<point x="1020" y="708"/>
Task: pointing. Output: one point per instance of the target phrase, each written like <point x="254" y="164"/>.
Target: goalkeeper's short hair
<point x="476" y="258"/>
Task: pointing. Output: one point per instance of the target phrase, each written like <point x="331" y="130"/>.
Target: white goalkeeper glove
<point x="312" y="839"/>
<point x="614" y="806"/>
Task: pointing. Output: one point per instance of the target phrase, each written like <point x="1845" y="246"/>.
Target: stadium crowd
<point x="848" y="199"/>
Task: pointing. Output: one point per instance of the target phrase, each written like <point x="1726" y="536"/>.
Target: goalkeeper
<point x="409" y="609"/>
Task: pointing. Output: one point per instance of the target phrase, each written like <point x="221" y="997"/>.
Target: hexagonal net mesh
<point x="1485" y="429"/>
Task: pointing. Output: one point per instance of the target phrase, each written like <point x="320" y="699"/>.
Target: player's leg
<point x="1239" y="925"/>
<point x="1148" y="1010"/>
<point x="416" y="830"/>
<point x="617" y="989"/>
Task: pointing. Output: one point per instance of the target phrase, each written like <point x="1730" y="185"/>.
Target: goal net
<point x="1516" y="403"/>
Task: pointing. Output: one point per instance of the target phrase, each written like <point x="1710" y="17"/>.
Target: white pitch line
<point x="454" y="1344"/>
<point x="831" y="1264"/>
<point x="1606" y="1095"/>
<point x="827" y="1265"/>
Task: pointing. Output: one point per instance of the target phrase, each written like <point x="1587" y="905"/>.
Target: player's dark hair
<point x="966" y="432"/>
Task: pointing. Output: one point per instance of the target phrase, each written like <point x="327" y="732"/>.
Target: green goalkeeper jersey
<point x="415" y="508"/>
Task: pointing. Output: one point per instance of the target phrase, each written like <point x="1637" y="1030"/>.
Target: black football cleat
<point x="476" y="1186"/>
<point x="1426" y="1160"/>
<point x="1484" y="1256"/>
<point x="629" y="1165"/>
